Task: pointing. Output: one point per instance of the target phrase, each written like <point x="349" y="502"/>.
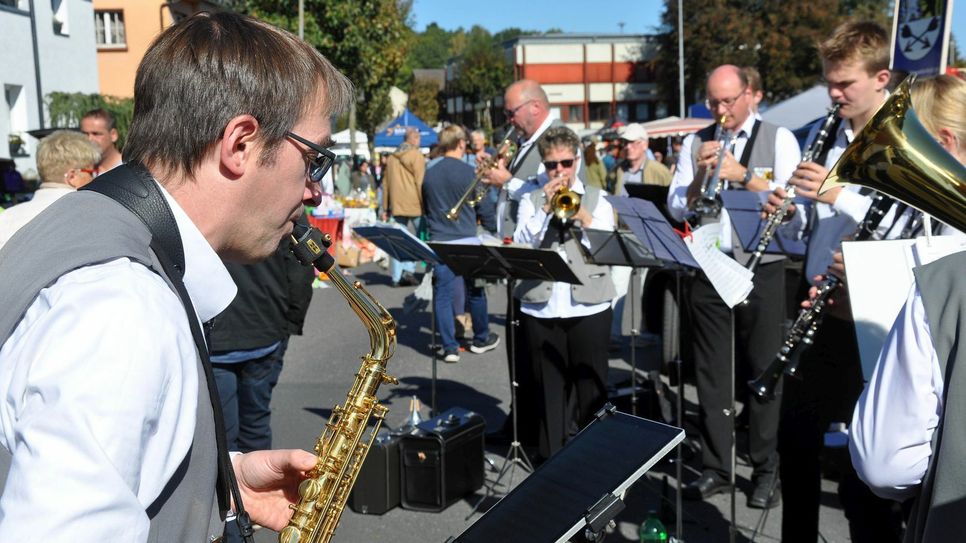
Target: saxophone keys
<point x="389" y="379"/>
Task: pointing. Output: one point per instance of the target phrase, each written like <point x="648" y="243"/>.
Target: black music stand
<point x="400" y="244"/>
<point x="622" y="248"/>
<point x="653" y="231"/>
<point x="509" y="263"/>
<point x="744" y="207"/>
<point x="554" y="503"/>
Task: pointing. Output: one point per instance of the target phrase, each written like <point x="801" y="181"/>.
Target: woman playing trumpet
<point x="566" y="326"/>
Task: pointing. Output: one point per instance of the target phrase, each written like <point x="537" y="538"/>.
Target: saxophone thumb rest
<point x="310" y="247"/>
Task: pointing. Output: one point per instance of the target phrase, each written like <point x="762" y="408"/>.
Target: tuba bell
<point x="895" y="155"/>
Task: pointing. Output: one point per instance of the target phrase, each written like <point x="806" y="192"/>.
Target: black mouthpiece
<point x="311" y="247"/>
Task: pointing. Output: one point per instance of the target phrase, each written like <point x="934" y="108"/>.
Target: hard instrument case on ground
<point x="442" y="461"/>
<point x="377" y="488"/>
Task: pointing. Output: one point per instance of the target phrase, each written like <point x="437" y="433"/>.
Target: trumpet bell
<point x="895" y="155"/>
<point x="565" y="204"/>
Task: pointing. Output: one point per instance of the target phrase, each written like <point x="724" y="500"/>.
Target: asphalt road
<point x="320" y="367"/>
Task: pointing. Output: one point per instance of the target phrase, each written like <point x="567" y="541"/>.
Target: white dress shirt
<point x="15" y="217"/>
<point x="891" y="433"/>
<point x="532" y="226"/>
<point x="98" y="395"/>
<point x="787" y="157"/>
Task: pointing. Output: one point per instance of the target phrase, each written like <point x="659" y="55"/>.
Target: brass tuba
<point x="895" y="155"/>
<point x="346" y="438"/>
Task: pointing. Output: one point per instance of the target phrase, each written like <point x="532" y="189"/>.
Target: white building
<point x="49" y="49"/>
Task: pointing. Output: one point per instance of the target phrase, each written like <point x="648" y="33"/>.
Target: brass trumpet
<point x="564" y="204"/>
<point x="475" y="192"/>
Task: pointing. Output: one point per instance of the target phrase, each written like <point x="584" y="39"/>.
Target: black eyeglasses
<point x="316" y="166"/>
<point x="551" y="165"/>
<point x="510" y="113"/>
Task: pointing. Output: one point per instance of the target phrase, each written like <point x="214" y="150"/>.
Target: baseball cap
<point x="633" y="132"/>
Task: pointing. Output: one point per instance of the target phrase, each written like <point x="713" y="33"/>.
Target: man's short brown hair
<point x="207" y="69"/>
<point x="450" y="137"/>
<point x="863" y="41"/>
<point x="102" y="114"/>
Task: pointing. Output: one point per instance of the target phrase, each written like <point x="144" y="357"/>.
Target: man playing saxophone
<point x="566" y="326"/>
<point x="763" y="157"/>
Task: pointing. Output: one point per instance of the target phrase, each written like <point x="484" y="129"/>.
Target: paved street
<point x="320" y="367"/>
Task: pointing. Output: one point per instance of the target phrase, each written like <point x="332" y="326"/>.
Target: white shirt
<point x="98" y="395"/>
<point x="517" y="187"/>
<point x="897" y="413"/>
<point x="787" y="157"/>
<point x="532" y="226"/>
<point x="15" y="217"/>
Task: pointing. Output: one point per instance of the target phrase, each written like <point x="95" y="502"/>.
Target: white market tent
<point x="674" y="126"/>
<point x="340" y="142"/>
<point x="799" y="110"/>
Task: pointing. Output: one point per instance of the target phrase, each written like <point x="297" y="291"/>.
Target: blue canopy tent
<point x="395" y="131"/>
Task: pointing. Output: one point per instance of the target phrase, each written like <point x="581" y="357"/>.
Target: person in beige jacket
<point x="402" y="198"/>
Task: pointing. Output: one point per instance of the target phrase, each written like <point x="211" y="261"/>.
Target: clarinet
<point x="806" y="324"/>
<point x="775" y="218"/>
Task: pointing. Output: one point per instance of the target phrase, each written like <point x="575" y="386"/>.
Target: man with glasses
<point x="110" y="401"/>
<point x="566" y="326"/>
<point x="762" y="158"/>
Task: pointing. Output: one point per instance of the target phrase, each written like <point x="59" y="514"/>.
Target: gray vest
<point x="527" y="171"/>
<point x="596" y="285"/>
<point x="83" y="229"/>
<point x="762" y="156"/>
<point x="940" y="509"/>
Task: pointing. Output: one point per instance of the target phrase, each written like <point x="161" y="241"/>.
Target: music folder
<point x="564" y="494"/>
<point x="397" y="242"/>
<point x="744" y="207"/>
<point x="653" y="231"/>
<point x="617" y="248"/>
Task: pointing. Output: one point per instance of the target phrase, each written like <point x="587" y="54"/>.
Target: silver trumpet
<point x="775" y="218"/>
<point x="709" y="203"/>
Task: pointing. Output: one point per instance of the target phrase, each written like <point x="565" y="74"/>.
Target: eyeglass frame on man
<point x="728" y="103"/>
<point x="551" y="165"/>
<point x="322" y="161"/>
<point x="511" y="113"/>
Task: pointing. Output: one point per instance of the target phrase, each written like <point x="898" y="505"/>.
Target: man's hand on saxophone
<point x="269" y="480"/>
<point x="496" y="175"/>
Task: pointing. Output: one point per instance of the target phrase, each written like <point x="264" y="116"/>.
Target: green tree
<point x="368" y="41"/>
<point x="431" y="48"/>
<point x="482" y="72"/>
<point x="424" y="100"/>
<point x="67" y="108"/>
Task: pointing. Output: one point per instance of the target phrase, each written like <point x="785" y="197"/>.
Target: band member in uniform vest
<point x="763" y="157"/>
<point x="855" y="61"/>
<point x="110" y="426"/>
<point x="566" y="326"/>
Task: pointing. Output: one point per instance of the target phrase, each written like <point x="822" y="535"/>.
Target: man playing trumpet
<point x="566" y="326"/>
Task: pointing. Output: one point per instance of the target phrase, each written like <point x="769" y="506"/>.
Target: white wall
<point x="68" y="63"/>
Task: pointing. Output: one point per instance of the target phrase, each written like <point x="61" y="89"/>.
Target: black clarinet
<point x="775" y="219"/>
<point x="806" y="324"/>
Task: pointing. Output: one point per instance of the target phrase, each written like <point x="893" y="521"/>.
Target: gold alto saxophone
<point x="343" y="445"/>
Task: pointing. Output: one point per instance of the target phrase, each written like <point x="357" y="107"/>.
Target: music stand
<point x="509" y="263"/>
<point x="621" y="248"/>
<point x="400" y="244"/>
<point x="653" y="231"/>
<point x="553" y="504"/>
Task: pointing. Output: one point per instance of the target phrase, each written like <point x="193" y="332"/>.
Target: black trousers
<point x="758" y="334"/>
<point x="569" y="362"/>
<point x="831" y="382"/>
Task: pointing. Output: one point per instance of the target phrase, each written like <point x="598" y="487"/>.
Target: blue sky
<point x="598" y="16"/>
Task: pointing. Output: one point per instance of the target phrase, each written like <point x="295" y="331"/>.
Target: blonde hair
<point x="863" y="41"/>
<point x="62" y="151"/>
<point x="939" y="102"/>
<point x="450" y="137"/>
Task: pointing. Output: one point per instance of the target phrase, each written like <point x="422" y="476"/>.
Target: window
<point x="60" y="17"/>
<point x="109" y="27"/>
<point x="17" y="113"/>
<point x="10" y="3"/>
<point x="575" y="113"/>
<point x="642" y="111"/>
<point x="599" y="111"/>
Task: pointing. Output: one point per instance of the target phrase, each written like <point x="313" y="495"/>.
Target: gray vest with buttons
<point x="83" y="229"/>
<point x="596" y="285"/>
<point x="762" y="156"/>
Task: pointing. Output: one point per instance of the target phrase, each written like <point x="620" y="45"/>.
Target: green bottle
<point x="652" y="529"/>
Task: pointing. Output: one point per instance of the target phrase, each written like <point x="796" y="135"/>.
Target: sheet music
<point x="730" y="280"/>
<point x="879" y="278"/>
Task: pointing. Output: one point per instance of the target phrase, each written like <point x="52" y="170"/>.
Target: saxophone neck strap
<point x="133" y="186"/>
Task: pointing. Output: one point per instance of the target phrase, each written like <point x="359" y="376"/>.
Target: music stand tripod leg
<point x="433" y="347"/>
<point x="515" y="454"/>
